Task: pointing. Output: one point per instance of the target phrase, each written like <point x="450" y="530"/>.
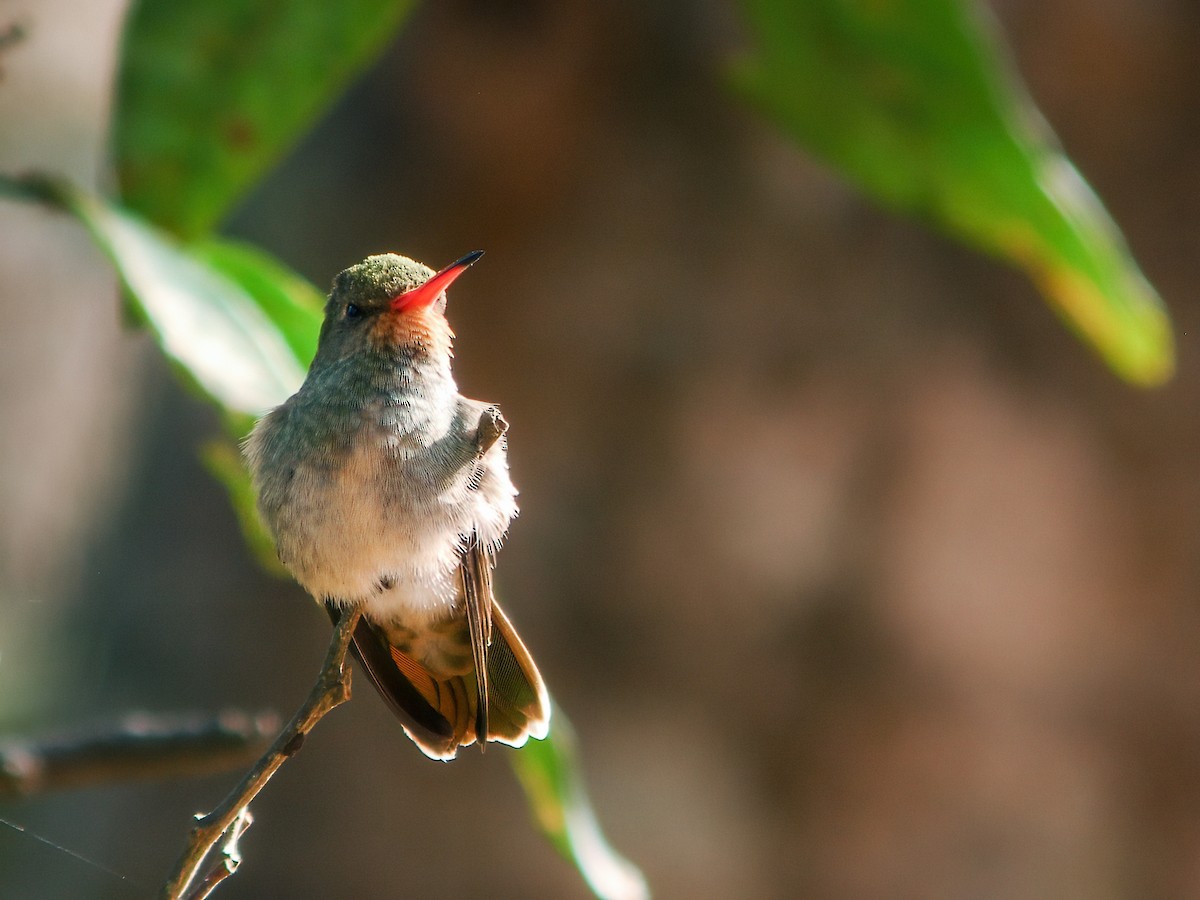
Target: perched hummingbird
<point x="387" y="489"/>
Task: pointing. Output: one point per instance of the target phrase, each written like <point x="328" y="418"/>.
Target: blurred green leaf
<point x="289" y="300"/>
<point x="913" y="101"/>
<point x="211" y="93"/>
<point x="552" y="775"/>
<point x="204" y="321"/>
<point x="224" y="462"/>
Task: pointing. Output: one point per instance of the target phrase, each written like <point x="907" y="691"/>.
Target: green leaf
<point x="912" y="100"/>
<point x="205" y="322"/>
<point x="552" y="776"/>
<point x="288" y="300"/>
<point x="211" y="93"/>
<point x="224" y="462"/>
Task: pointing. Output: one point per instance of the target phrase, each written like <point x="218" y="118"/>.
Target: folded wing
<point x="455" y="680"/>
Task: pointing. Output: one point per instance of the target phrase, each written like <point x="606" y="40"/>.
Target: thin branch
<point x="139" y="747"/>
<point x="230" y="819"/>
<point x="231" y="856"/>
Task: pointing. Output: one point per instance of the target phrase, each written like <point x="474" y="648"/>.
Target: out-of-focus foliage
<point x="223" y="460"/>
<point x="911" y="100"/>
<point x="289" y="301"/>
<point x="211" y="94"/>
<point x="210" y="325"/>
<point x="550" y="773"/>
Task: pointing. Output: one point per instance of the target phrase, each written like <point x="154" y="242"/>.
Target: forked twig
<point x="231" y="818"/>
<point x="231" y="857"/>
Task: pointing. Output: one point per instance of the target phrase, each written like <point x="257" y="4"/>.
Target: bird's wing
<point x="443" y="700"/>
<point x="476" y="573"/>
<point x="512" y="703"/>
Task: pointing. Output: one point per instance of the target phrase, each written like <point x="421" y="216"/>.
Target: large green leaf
<point x="234" y="320"/>
<point x="204" y="321"/>
<point x="912" y="100"/>
<point x="213" y="92"/>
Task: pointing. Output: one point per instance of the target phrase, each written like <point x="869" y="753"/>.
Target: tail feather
<point x="437" y="708"/>
<point x="518" y="704"/>
<point x="426" y="725"/>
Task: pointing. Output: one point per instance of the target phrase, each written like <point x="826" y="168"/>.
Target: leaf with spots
<point x="211" y="94"/>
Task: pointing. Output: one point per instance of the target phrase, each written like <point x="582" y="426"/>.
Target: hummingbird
<point x="386" y="489"/>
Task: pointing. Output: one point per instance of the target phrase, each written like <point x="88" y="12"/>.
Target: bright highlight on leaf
<point x="207" y="323"/>
<point x="910" y="100"/>
<point x="287" y="299"/>
<point x="552" y="776"/>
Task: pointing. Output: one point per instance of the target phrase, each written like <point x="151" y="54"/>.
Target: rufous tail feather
<point x="439" y="709"/>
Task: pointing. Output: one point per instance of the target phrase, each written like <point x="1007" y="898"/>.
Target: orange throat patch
<point x="425" y="328"/>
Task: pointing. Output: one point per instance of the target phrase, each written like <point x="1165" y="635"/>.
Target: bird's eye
<point x="352" y="311"/>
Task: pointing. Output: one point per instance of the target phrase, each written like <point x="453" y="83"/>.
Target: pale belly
<point x="375" y="533"/>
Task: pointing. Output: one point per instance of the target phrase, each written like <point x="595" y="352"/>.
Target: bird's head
<point x="387" y="302"/>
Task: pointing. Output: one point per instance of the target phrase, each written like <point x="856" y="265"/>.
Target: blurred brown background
<point x="858" y="575"/>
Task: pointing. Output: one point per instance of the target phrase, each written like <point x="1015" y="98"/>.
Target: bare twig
<point x="139" y="747"/>
<point x="230" y="819"/>
<point x="231" y="856"/>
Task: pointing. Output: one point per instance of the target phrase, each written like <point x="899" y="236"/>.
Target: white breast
<point x="375" y="533"/>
